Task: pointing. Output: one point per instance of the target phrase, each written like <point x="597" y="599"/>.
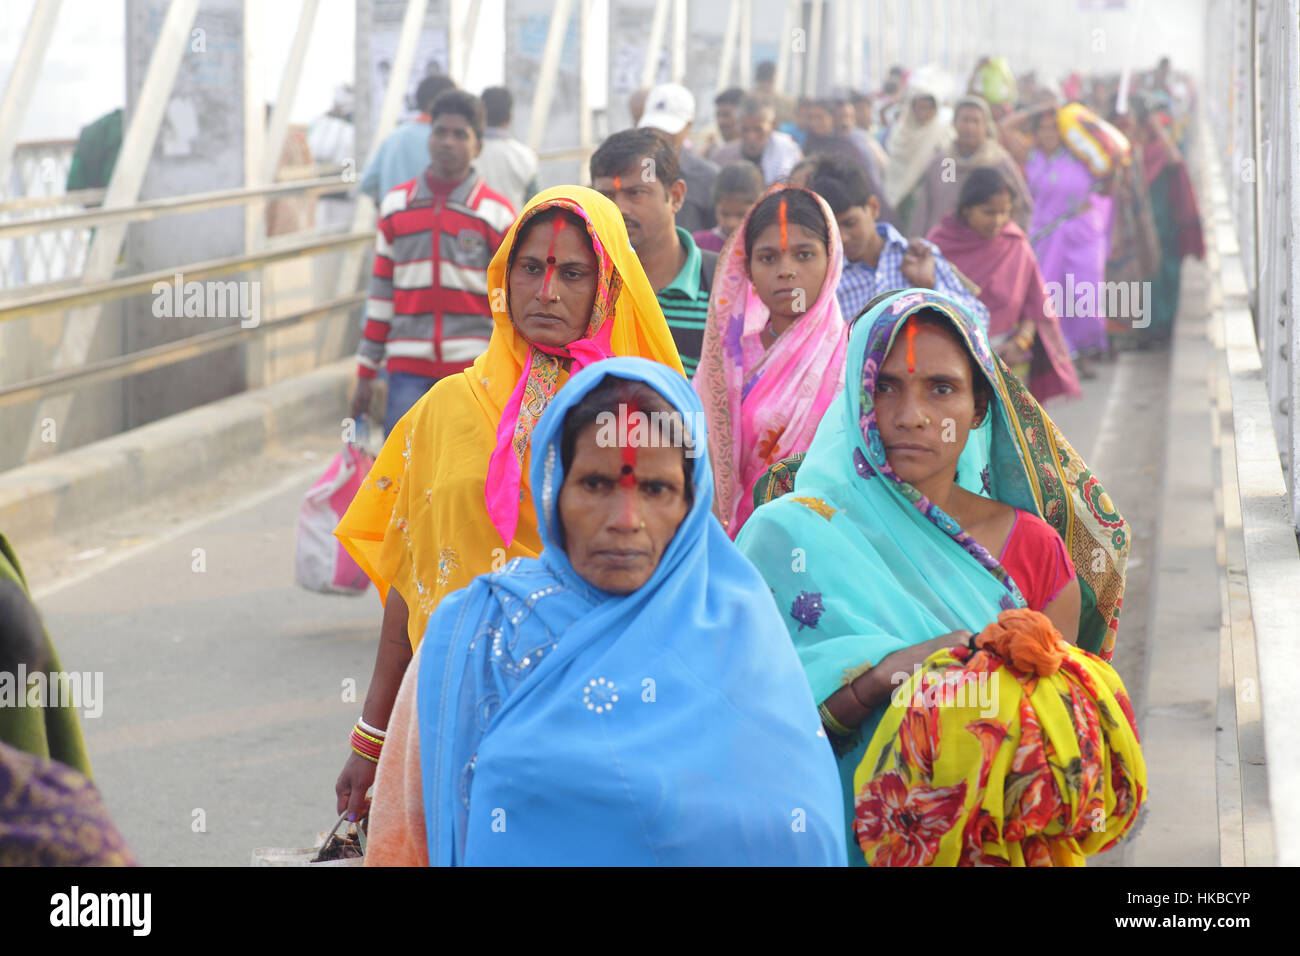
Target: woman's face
<point x="618" y="524"/>
<point x="731" y="209"/>
<point x="553" y="283"/>
<point x="969" y="122"/>
<point x="789" y="276"/>
<point x="924" y="108"/>
<point x="989" y="217"/>
<point x="924" y="412"/>
<point x="1046" y="134"/>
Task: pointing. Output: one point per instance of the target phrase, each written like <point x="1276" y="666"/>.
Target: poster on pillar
<point x="199" y="148"/>
<point x="527" y="24"/>
<point x="629" y="34"/>
<point x="378" y="31"/>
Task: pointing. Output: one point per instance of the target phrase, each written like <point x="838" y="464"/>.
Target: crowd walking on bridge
<point x="719" y="519"/>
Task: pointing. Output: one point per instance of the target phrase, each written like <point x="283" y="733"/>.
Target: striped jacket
<point x="428" y="311"/>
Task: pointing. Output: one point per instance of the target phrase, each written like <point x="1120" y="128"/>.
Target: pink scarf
<point x="1012" y="288"/>
<point x="538" y="382"/>
<point x="765" y="405"/>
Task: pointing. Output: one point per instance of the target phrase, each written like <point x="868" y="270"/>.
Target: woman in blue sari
<point x="871" y="571"/>
<point x="631" y="696"/>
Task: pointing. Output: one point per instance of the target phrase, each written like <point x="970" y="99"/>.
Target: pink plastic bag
<point x="320" y="561"/>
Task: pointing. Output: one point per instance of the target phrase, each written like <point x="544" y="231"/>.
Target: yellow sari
<point x="420" y="522"/>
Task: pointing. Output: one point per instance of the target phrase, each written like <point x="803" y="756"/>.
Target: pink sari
<point x="765" y="405"/>
<point x="1012" y="288"/>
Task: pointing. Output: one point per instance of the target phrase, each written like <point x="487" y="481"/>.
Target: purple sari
<point x="1071" y="249"/>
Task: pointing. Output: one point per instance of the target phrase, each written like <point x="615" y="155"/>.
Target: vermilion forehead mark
<point x="550" y="253"/>
<point x="628" y="471"/>
<point x="911" y="347"/>
<point x="618" y="184"/>
<point x="784" y="228"/>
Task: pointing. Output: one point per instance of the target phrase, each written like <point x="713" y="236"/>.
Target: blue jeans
<point x="404" y="390"/>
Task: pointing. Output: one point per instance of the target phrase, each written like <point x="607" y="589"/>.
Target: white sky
<point x="84" y="73"/>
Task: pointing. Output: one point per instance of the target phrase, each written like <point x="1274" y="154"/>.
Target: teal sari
<point x="861" y="564"/>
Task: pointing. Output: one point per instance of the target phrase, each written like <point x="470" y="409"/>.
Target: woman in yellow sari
<point x="448" y="497"/>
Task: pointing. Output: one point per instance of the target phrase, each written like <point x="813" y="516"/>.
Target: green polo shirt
<point x="685" y="304"/>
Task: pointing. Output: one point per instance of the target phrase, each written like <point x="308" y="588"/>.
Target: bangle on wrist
<point x="366" y="745"/>
<point x="831" y="724"/>
<point x="372" y="731"/>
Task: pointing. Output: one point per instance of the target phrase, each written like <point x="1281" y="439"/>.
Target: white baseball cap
<point x="668" y="107"/>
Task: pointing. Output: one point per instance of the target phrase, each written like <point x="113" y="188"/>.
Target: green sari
<point x="53" y="732"/>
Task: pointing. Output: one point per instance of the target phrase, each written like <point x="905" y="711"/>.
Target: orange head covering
<point x="623" y="297"/>
<point x="421" y="521"/>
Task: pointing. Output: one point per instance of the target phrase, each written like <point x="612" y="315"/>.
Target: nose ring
<point x="927" y="421"/>
<point x="642" y="525"/>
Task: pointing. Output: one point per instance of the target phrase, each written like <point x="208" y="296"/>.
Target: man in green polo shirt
<point x="638" y="170"/>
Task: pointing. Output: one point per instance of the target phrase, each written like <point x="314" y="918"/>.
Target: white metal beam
<point x="655" y="43"/>
<point x="729" y="32"/>
<point x="746" y="59"/>
<point x="812" y="59"/>
<point x="857" y="37"/>
<point x="678" y="71"/>
<point x="463" y="18"/>
<point x="783" y="47"/>
<point x="550" y="66"/>
<point x="282" y="109"/>
<point x="22" y="81"/>
<point x="585" y="78"/>
<point x="123" y="190"/>
<point x="364" y="210"/>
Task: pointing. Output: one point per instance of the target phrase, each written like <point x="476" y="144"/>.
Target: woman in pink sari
<point x="773" y="356"/>
<point x="980" y="239"/>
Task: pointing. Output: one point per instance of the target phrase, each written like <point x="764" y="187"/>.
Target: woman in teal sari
<point x="880" y="557"/>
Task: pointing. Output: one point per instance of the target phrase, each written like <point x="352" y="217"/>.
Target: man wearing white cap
<point x="330" y="139"/>
<point x="670" y="108"/>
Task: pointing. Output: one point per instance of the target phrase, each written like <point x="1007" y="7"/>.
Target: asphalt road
<point x="229" y="692"/>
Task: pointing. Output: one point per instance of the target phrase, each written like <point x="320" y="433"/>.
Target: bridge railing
<point x="1253" y="105"/>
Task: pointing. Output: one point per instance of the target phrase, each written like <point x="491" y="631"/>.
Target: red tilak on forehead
<point x="617" y="184"/>
<point x="628" y="479"/>
<point x="781" y="216"/>
<point x="911" y="346"/>
<point x="628" y="472"/>
<point x="550" y="253"/>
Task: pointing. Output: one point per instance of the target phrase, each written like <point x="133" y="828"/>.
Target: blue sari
<point x="862" y="564"/>
<point x="561" y="724"/>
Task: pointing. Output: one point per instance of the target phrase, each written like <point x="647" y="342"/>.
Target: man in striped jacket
<point x="428" y="313"/>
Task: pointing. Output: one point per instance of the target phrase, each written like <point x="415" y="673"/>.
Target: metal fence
<point x="1256" y="116"/>
<point x="36" y="181"/>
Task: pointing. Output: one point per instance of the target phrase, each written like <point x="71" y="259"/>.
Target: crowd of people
<point x="856" y="506"/>
<point x="718" y="518"/>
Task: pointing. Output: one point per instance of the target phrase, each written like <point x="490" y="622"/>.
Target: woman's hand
<point x="1011" y="352"/>
<point x="906" y="660"/>
<point x="918" y="264"/>
<point x="393" y="656"/>
<point x="853" y="703"/>
<point x="357" y="777"/>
